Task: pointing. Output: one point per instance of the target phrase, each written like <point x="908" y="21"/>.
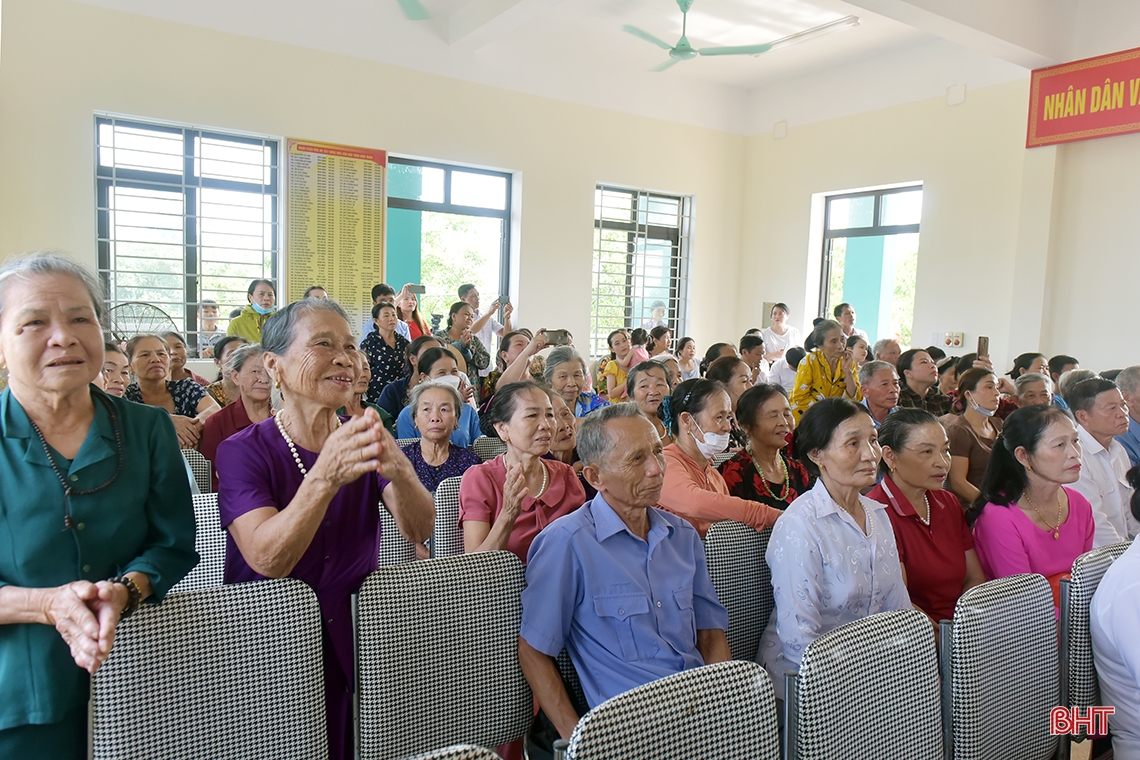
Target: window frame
<point x="875" y="229"/>
<point x="680" y="242"/>
<point x="447" y="207"/>
<point x="189" y="184"/>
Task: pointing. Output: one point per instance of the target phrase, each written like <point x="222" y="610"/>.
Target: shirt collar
<point x="1088" y="443"/>
<point x="899" y="503"/>
<point x="824" y="505"/>
<point x="607" y="522"/>
<point x="17" y="424"/>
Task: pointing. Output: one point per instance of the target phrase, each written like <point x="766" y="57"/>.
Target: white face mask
<point x="713" y="443"/>
<point x="452" y="380"/>
<point x="980" y="410"/>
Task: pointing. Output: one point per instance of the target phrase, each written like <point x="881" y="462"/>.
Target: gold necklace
<point x="1056" y="529"/>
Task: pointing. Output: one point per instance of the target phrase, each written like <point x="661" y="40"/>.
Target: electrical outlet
<point x="953" y="339"/>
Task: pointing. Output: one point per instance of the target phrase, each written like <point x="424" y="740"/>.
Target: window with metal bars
<point x="641" y="262"/>
<point x="184" y="216"/>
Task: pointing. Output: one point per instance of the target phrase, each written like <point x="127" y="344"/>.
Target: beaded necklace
<point x="764" y="479"/>
<point x="68" y="491"/>
<point x="292" y="447"/>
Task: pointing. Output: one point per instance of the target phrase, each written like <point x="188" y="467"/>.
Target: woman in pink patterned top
<point x="1026" y="521"/>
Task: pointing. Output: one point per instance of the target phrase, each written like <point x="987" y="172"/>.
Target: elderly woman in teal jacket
<point x="95" y="515"/>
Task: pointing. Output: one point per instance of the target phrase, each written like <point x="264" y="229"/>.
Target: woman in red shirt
<point x="252" y="405"/>
<point x="936" y="548"/>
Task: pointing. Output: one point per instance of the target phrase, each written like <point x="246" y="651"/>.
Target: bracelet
<point x="134" y="595"/>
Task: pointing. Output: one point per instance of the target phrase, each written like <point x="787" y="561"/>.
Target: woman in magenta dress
<point x="300" y="491"/>
<point x="1026" y="520"/>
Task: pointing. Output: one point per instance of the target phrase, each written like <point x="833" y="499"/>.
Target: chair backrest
<point x="735" y="556"/>
<point x="233" y="672"/>
<point x="200" y="466"/>
<point x="459" y="752"/>
<point x="726" y="710"/>
<point x="865" y="683"/>
<point x="1079" y="686"/>
<point x="210" y="543"/>
<point x="488" y="448"/>
<point x="437" y="655"/>
<point x="721" y="458"/>
<point x="1004" y="672"/>
<point x="402" y="442"/>
<point x="447" y="538"/>
<point x="394" y="548"/>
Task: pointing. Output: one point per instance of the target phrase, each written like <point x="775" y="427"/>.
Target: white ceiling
<point x="575" y="50"/>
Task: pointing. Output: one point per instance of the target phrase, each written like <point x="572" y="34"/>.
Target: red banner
<point x="1096" y="97"/>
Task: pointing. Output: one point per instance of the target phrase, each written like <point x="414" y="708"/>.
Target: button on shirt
<point x="1114" y="619"/>
<point x="826" y="572"/>
<point x="1103" y="483"/>
<point x="627" y="610"/>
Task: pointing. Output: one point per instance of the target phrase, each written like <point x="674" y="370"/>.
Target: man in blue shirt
<point x="622" y="585"/>
<point x="1128" y="381"/>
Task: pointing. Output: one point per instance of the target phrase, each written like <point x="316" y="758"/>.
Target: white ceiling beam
<point x="478" y="22"/>
<point x="1029" y="33"/>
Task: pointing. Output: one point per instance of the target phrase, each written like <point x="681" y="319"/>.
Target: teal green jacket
<point x="142" y="522"/>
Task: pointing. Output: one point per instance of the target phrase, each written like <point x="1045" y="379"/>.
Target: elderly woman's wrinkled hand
<point x="391" y="460"/>
<point x="69" y="611"/>
<point x="352" y="450"/>
<point x="189" y="431"/>
<point x="514" y="490"/>
<point x="466" y="391"/>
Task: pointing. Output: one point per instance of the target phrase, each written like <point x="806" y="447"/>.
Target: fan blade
<point x="646" y="36"/>
<point x="414" y="10"/>
<point x="667" y="64"/>
<point x="738" y="50"/>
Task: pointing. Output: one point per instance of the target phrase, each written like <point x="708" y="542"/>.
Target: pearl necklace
<point x="926" y="501"/>
<point x="292" y="447"/>
<point x="545" y="479"/>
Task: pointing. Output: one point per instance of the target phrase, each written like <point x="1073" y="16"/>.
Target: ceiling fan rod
<point x="837" y="25"/>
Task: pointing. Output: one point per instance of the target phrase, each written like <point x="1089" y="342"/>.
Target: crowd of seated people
<point x="890" y="477"/>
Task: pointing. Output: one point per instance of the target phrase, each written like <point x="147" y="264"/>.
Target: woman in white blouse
<point x="832" y="553"/>
<point x="780" y="336"/>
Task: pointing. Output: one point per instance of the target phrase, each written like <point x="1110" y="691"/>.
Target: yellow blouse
<point x="815" y="381"/>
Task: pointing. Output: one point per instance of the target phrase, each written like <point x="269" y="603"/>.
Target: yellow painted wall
<point x="62" y="61"/>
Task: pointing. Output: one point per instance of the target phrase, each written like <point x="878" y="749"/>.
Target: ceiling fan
<point x="414" y="10"/>
<point x="683" y="51"/>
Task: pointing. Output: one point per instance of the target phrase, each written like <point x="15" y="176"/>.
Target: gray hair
<point x="881" y="344"/>
<point x="1129" y="379"/>
<point x="239" y="356"/>
<point x="1028" y="378"/>
<point x="562" y="355"/>
<point x="1066" y="382"/>
<point x="54" y="262"/>
<point x="414" y="400"/>
<point x="280" y="330"/>
<point x="868" y="370"/>
<point x="594" y="441"/>
<point x="662" y="358"/>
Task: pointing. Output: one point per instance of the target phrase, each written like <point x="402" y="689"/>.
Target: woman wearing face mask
<point x="262" y="296"/>
<point x="438" y="364"/>
<point x="702" y="419"/>
<point x="972" y="431"/>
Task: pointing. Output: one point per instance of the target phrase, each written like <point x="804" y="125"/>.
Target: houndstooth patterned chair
<point x="721" y="711"/>
<point x="394" y="548"/>
<point x="233" y="672"/>
<point x="1079" y="686"/>
<point x="735" y="556"/>
<point x="437" y="655"/>
<point x="202" y="469"/>
<point x="447" y="538"/>
<point x="864" y="683"/>
<point x="402" y="442"/>
<point x="721" y="458"/>
<point x="488" y="448"/>
<point x="459" y="752"/>
<point x="210" y="543"/>
<point x="999" y="670"/>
